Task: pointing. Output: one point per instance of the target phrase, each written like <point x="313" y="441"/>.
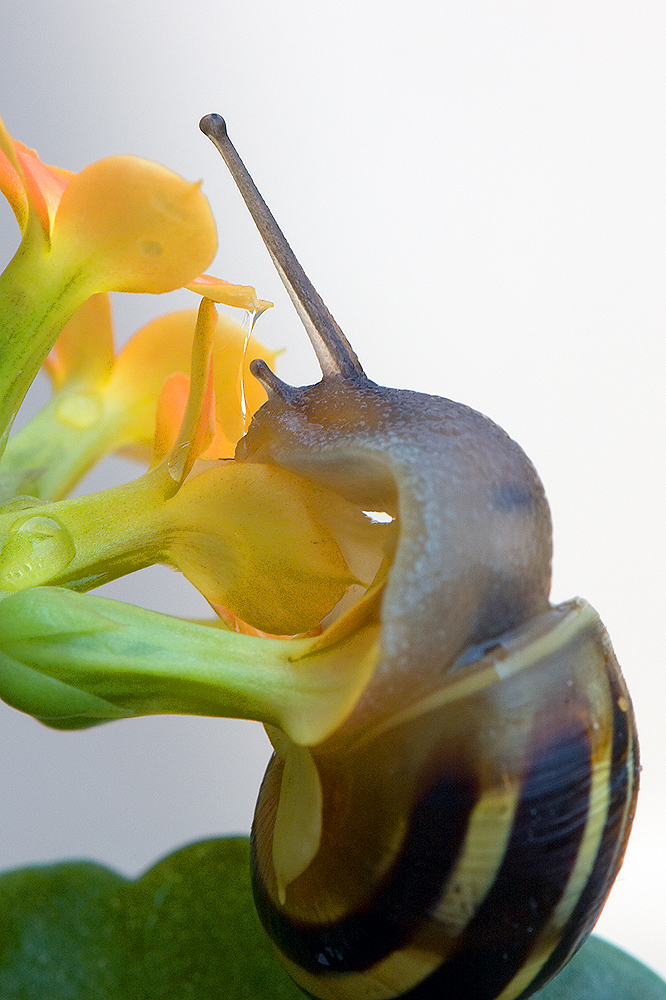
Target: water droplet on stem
<point x="36" y="550"/>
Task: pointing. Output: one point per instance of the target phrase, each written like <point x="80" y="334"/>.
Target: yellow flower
<point x="122" y="224"/>
<point x="290" y="564"/>
<point x="265" y="547"/>
<point x="104" y="403"/>
<point x="127" y="223"/>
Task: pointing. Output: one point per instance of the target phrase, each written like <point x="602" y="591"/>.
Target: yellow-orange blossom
<point x="270" y="551"/>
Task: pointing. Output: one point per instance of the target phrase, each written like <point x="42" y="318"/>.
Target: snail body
<point x="457" y="835"/>
<point x="473" y="550"/>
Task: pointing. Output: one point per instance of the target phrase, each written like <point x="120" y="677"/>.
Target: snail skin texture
<point x="456" y="837"/>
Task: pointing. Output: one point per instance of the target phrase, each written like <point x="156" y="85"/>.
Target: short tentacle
<point x="273" y="385"/>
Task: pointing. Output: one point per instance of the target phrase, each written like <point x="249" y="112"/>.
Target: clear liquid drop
<point x="35" y="551"/>
<point x="247" y="325"/>
<point x="176" y="461"/>
<point x="17" y="504"/>
<point x="250" y="317"/>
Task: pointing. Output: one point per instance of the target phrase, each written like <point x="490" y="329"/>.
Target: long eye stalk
<point x="333" y="350"/>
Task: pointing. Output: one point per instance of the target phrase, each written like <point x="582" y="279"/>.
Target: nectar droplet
<point x="249" y="319"/>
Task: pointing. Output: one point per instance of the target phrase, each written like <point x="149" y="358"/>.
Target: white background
<point x="477" y="190"/>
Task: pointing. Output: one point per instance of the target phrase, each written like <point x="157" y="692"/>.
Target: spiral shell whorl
<point x="468" y="844"/>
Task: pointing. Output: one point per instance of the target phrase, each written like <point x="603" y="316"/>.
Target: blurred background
<point x="477" y="190"/>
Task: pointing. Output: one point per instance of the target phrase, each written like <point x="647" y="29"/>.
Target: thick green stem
<point x="85" y="541"/>
<point x="75" y="660"/>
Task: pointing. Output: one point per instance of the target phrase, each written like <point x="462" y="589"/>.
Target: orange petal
<point x="236" y="624"/>
<point x="138" y="226"/>
<point x="11" y="186"/>
<point x="11" y="182"/>
<point x="44" y="184"/>
<point x="238" y="394"/>
<point x="28" y="182"/>
<point x="163" y="347"/>
<point x="243" y="296"/>
<point x="84" y="350"/>
<point x="171" y="406"/>
<point x="249" y="540"/>
<point x="220" y="446"/>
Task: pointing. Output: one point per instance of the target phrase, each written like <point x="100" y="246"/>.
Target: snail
<point x="457" y="835"/>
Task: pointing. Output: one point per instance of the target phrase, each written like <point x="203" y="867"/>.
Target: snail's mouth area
<point x="367" y="542"/>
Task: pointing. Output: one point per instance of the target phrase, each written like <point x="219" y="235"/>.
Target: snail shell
<point x="457" y="835"/>
<point x="466" y="844"/>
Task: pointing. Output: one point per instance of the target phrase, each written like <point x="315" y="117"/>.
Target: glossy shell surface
<point x="468" y="842"/>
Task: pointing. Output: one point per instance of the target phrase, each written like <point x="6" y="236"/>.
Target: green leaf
<point x="602" y="972"/>
<point x="187" y="930"/>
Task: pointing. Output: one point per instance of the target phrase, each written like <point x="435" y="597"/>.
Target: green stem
<point x="63" y="441"/>
<point x="37" y="297"/>
<point x="75" y="660"/>
<point x="85" y="541"/>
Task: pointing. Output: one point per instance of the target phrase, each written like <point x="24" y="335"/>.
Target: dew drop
<point x="20" y="503"/>
<point x="35" y="551"/>
<point x="176" y="461"/>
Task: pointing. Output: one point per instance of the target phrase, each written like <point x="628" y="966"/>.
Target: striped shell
<point x="469" y="841"/>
